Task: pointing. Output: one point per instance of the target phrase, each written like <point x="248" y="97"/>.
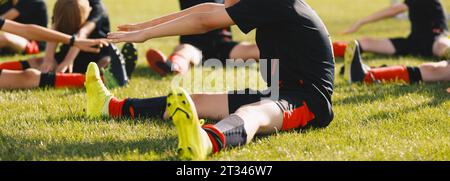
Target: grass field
<point x="376" y="122"/>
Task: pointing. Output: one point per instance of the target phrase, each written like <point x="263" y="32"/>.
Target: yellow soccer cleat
<point x="193" y="141"/>
<point x="98" y="96"/>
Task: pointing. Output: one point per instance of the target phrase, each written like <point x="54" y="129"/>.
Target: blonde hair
<point x="70" y="15"/>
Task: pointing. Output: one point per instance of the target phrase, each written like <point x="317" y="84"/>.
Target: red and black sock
<point x="228" y="132"/>
<point x="59" y="80"/>
<point x="217" y="138"/>
<point x="394" y="73"/>
<point x="339" y="49"/>
<point x="132" y="108"/>
<point x="18" y="65"/>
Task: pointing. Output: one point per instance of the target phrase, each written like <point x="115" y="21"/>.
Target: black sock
<point x="47" y="80"/>
<point x="233" y="129"/>
<point x="415" y="76"/>
<point x="146" y="108"/>
<point x="25" y="65"/>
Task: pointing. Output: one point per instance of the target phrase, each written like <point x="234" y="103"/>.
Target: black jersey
<point x="291" y="31"/>
<point x="427" y="17"/>
<point x="31" y="11"/>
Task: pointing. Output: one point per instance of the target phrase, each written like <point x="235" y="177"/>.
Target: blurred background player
<point x="32" y="78"/>
<point x="26" y="12"/>
<point x="86" y="19"/>
<point x="357" y="71"/>
<point x="217" y="44"/>
<point x="428" y="37"/>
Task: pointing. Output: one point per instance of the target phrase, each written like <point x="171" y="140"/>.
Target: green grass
<point x="377" y="122"/>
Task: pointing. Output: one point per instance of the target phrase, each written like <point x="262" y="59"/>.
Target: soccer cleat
<point x="130" y="53"/>
<point x="117" y="65"/>
<point x="157" y="61"/>
<point x="193" y="141"/>
<point x="355" y="70"/>
<point x="98" y="96"/>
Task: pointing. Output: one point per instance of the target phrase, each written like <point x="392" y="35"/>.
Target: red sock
<point x="179" y="63"/>
<point x="69" y="80"/>
<point x="217" y="138"/>
<point x="31" y="48"/>
<point x="339" y="49"/>
<point x="116" y="107"/>
<point x="388" y="74"/>
<point x="11" y="66"/>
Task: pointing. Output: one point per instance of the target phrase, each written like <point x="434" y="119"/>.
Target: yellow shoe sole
<point x="192" y="139"/>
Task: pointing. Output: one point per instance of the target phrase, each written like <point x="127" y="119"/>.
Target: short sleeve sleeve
<point x="251" y="14"/>
<point x="98" y="11"/>
<point x="24" y="6"/>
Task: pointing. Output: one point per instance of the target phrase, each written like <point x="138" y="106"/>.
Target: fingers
<point x="116" y="37"/>
<point x="103" y="43"/>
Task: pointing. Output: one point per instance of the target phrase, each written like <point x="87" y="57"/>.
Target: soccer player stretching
<point x="292" y="33"/>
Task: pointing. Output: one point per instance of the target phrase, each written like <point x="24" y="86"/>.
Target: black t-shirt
<point x="427" y="17"/>
<point x="31" y="11"/>
<point x="221" y="34"/>
<point x="100" y="17"/>
<point x="291" y="31"/>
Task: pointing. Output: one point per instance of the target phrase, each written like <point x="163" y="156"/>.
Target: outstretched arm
<point x="196" y="23"/>
<point x="380" y="15"/>
<point x="35" y="32"/>
<point x="201" y="8"/>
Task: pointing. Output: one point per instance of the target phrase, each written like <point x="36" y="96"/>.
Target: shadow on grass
<point x="378" y="92"/>
<point x="14" y="148"/>
<point x="145" y="72"/>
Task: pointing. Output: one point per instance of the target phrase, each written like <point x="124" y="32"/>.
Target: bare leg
<point x="381" y="46"/>
<point x="436" y="71"/>
<point x="10" y="79"/>
<point x="36" y="63"/>
<point x="264" y="117"/>
<point x="441" y="47"/>
<point x="245" y="51"/>
<point x="13" y="42"/>
<point x="189" y="52"/>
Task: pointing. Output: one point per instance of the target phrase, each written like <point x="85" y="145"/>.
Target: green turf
<point x="378" y="122"/>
